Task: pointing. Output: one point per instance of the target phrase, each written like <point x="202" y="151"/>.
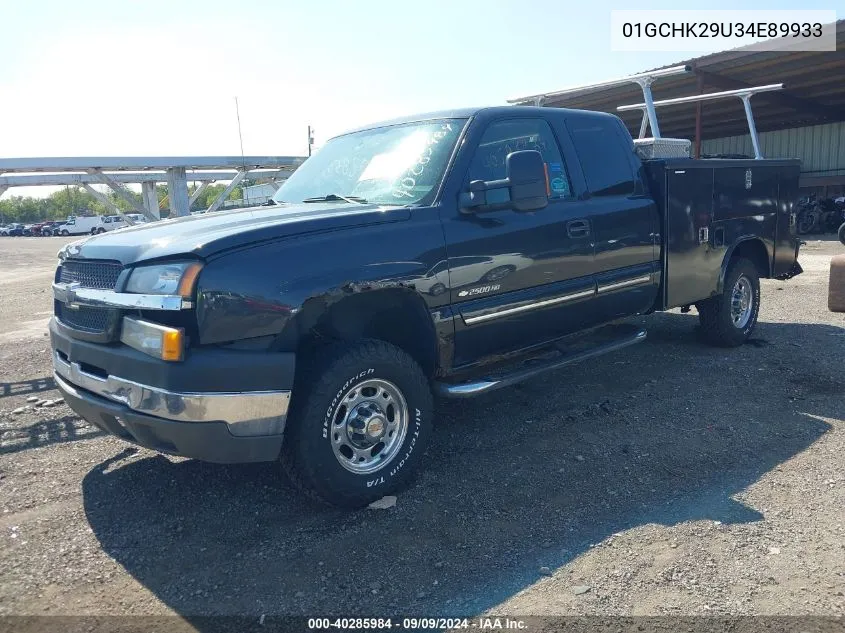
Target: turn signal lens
<point x="158" y="341"/>
<point x="189" y="278"/>
<point x="171" y="345"/>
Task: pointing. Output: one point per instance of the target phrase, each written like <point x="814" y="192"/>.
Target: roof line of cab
<point x="491" y="111"/>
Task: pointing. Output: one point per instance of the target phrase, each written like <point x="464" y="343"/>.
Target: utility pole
<point x="310" y="139"/>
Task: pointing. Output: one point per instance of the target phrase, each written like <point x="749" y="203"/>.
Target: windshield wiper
<point x="333" y="197"/>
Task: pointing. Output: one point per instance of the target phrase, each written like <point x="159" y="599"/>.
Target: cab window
<point x="604" y="156"/>
<point x="512" y="135"/>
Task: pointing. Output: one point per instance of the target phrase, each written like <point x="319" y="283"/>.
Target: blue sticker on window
<point x="555" y="167"/>
<point x="559" y="185"/>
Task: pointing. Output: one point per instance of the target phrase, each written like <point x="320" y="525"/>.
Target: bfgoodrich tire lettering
<point x="318" y="456"/>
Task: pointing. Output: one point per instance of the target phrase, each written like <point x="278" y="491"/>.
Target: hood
<point x="208" y="234"/>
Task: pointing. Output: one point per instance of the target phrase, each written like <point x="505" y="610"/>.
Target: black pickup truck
<point x="446" y="254"/>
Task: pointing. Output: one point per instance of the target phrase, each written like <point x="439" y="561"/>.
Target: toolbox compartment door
<point x="691" y="261"/>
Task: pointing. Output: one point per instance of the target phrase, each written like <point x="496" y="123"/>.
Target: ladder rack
<point x="649" y="105"/>
<point x="743" y="94"/>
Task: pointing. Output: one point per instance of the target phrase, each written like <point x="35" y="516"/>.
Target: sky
<point x="159" y="77"/>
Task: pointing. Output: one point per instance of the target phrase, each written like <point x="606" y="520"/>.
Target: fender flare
<point x="315" y="308"/>
<point x="723" y="271"/>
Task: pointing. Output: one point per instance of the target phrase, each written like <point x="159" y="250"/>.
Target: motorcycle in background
<point x="808" y="215"/>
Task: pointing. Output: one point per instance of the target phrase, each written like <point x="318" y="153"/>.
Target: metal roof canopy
<point x="147" y="170"/>
<point x="813" y="92"/>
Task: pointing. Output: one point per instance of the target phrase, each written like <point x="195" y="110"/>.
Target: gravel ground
<point x="668" y="478"/>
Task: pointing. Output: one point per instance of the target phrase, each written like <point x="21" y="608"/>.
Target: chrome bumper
<point x="249" y="413"/>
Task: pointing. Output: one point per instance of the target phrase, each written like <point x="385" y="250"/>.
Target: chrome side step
<point x="485" y="385"/>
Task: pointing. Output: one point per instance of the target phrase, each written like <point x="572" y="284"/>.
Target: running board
<point x="485" y="385"/>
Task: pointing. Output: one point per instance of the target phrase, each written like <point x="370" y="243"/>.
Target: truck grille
<point x="87" y="319"/>
<point x="99" y="274"/>
<point x="91" y="274"/>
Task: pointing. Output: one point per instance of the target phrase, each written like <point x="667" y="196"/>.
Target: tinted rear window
<point x="604" y="156"/>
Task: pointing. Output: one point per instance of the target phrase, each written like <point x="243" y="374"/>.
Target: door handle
<point x="578" y="228"/>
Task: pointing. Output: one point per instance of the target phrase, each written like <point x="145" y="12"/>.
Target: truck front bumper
<point x="179" y="408"/>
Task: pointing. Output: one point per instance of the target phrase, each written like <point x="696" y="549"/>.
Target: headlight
<point x="177" y="278"/>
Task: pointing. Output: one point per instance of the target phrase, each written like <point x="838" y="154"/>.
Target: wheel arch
<point x="398" y="316"/>
<point x="754" y="250"/>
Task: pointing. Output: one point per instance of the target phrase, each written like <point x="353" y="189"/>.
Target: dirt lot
<point x="669" y="478"/>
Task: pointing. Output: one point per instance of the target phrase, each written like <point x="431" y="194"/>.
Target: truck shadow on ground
<point x="68" y="428"/>
<point x="665" y="432"/>
<point x="26" y="387"/>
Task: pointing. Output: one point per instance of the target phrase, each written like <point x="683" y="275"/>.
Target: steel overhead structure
<point x="176" y="171"/>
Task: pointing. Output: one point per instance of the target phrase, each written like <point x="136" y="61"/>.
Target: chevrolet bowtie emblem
<point x="66" y="293"/>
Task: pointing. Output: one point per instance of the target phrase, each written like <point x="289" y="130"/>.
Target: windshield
<point x="398" y="164"/>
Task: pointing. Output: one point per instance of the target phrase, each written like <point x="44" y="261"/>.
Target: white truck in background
<point x="80" y="225"/>
<point x="112" y="222"/>
<point x="95" y="224"/>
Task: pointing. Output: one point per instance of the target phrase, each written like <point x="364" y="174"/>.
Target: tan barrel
<point x="836" y="287"/>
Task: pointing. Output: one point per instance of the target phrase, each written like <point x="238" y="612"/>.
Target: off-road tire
<point x="714" y="313"/>
<point x="307" y="455"/>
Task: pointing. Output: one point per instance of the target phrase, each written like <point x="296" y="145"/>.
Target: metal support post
<point x="645" y="84"/>
<point x="752" y="128"/>
<point x="149" y="196"/>
<point x="121" y="193"/>
<point x="644" y="125"/>
<point x="225" y="193"/>
<point x="107" y="202"/>
<point x="177" y="191"/>
<point x="199" y="191"/>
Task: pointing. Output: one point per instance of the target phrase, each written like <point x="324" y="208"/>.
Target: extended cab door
<point x="625" y="218"/>
<point x="518" y="278"/>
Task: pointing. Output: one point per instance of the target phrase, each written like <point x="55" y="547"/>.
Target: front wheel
<point x="727" y="320"/>
<point x="65" y="233"/>
<point x="842" y="233"/>
<point x="361" y="426"/>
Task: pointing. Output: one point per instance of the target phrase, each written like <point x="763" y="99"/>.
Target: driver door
<point x="519" y="278"/>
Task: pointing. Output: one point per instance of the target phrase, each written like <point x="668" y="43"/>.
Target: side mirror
<point x="523" y="188"/>
<point x="527" y="179"/>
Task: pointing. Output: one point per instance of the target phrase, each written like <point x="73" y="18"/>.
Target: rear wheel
<point x="361" y="426"/>
<point x="842" y="233"/>
<point x="727" y="320"/>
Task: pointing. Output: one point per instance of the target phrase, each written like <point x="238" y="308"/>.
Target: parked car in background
<point x="38" y="229"/>
<point x="14" y="229"/>
<point x="113" y="222"/>
<point x="107" y="223"/>
<point x="79" y="225"/>
<point x="50" y="226"/>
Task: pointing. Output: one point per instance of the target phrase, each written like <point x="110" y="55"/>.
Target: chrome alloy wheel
<point x="369" y="426"/>
<point x="742" y="302"/>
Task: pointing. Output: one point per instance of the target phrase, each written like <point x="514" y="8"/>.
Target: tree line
<point x="77" y="201"/>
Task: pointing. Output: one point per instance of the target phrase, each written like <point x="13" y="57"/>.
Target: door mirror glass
<point x="527" y="180"/>
<point x="524" y="187"/>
